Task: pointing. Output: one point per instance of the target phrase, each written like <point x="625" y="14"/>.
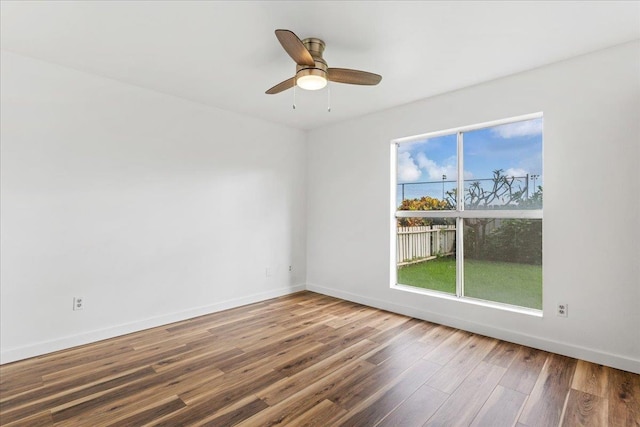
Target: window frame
<point x="460" y="214"/>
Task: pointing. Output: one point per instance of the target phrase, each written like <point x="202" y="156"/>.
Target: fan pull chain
<point x="294" y="94"/>
<point x="328" y="97"/>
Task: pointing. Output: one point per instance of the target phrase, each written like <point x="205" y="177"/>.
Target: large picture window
<point x="467" y="213"/>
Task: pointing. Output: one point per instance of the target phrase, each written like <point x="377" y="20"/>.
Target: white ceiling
<point x="226" y="55"/>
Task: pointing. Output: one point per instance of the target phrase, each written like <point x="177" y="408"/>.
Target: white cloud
<point x="435" y="171"/>
<point x="404" y="148"/>
<point x="408" y="170"/>
<point x="420" y="167"/>
<point x="525" y="128"/>
<point x="515" y="172"/>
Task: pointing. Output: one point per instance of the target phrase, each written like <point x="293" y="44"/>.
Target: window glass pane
<point x="503" y="166"/>
<point x="503" y="260"/>
<point x="427" y="173"/>
<point x="425" y="253"/>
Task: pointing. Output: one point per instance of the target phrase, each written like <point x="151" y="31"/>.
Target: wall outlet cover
<point x="563" y="309"/>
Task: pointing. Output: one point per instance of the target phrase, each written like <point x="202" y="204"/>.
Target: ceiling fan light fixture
<point x="311" y="79"/>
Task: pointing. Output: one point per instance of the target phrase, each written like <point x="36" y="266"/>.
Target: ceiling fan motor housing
<point x="315" y="48"/>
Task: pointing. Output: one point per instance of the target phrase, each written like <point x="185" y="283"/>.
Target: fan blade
<point x="354" y="77"/>
<point x="287" y="84"/>
<point x="295" y="48"/>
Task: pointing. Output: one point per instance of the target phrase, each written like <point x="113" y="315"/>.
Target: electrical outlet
<point x="78" y="303"/>
<point x="290" y="268"/>
<point x="563" y="309"/>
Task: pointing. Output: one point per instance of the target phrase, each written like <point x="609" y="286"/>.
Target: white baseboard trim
<point x="20" y="353"/>
<point x="578" y="352"/>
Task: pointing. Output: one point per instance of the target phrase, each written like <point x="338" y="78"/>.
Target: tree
<point x="501" y="194"/>
<point x="533" y="202"/>
<point x="425" y="203"/>
<point x="515" y="240"/>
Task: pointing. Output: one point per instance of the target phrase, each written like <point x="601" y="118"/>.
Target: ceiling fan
<point x="312" y="72"/>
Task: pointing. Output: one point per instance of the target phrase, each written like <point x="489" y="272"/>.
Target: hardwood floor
<point x="308" y="359"/>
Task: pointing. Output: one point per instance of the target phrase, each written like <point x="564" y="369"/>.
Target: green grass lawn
<point x="510" y="283"/>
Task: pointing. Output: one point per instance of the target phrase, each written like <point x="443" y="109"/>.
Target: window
<point x="467" y="213"/>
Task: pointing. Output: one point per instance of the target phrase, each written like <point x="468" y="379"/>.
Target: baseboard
<point x="578" y="352"/>
<point x="20" y="353"/>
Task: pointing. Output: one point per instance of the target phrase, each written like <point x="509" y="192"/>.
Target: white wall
<point x="150" y="207"/>
<point x="591" y="108"/>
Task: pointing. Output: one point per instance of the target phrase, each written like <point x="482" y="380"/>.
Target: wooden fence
<point x="417" y="244"/>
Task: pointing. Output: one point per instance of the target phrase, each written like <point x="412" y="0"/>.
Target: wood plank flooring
<point x="312" y="360"/>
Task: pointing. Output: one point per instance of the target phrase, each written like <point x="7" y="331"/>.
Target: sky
<point x="516" y="148"/>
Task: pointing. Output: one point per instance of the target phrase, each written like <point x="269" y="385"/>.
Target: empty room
<point x="320" y="213"/>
